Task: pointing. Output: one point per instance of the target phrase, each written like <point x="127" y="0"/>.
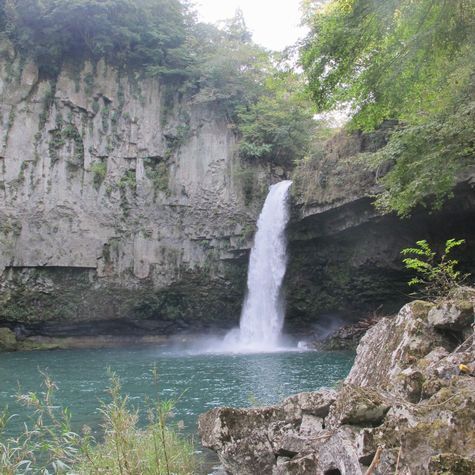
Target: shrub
<point x="49" y="445"/>
<point x="99" y="170"/>
<point x="160" y="176"/>
<point x="437" y="277"/>
<point x="128" y="450"/>
<point x="128" y="180"/>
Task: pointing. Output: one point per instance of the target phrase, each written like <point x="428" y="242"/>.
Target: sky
<point x="273" y="23"/>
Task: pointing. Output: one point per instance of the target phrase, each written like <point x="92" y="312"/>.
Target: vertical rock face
<point x="407" y="406"/>
<point x="112" y="190"/>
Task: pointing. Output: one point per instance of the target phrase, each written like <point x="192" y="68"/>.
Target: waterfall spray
<point x="262" y="316"/>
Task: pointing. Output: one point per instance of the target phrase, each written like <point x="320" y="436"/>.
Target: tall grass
<point x="48" y="445"/>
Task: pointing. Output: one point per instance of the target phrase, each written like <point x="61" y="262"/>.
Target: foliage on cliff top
<point x="137" y="34"/>
<point x="409" y="61"/>
<point x="229" y="67"/>
<point x="163" y="38"/>
<point x="262" y="95"/>
<point x="280" y="125"/>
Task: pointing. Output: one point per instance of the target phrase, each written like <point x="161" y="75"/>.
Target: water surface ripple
<point x="200" y="381"/>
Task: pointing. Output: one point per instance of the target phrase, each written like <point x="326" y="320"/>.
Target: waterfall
<point x="262" y="315"/>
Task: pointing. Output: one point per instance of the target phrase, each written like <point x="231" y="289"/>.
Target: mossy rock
<point x="451" y="464"/>
<point x="7" y="340"/>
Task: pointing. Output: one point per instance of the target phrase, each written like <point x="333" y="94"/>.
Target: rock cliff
<point x="344" y="256"/>
<point x="407" y="406"/>
<point x="121" y="199"/>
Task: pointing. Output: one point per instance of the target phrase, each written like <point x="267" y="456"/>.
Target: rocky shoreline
<point x="407" y="406"/>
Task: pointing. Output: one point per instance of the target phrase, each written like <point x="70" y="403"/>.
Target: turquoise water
<point x="201" y="382"/>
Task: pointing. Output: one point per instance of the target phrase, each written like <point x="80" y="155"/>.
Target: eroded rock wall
<point x="120" y="198"/>
<point x="344" y="256"/>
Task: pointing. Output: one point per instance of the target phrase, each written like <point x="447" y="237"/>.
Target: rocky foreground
<point x="407" y="406"/>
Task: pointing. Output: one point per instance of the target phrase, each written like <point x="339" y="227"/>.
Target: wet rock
<point x="346" y="337"/>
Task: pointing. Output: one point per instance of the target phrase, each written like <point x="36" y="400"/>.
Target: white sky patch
<point x="274" y="24"/>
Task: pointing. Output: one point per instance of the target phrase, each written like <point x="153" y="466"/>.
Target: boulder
<point x="357" y="406"/>
<point x="393" y="345"/>
<point x="455" y="316"/>
<point x="407" y="406"/>
<point x="338" y="453"/>
<point x="314" y="403"/>
<point x="310" y="424"/>
<point x="240" y="437"/>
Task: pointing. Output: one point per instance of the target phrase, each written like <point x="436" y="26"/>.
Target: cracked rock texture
<point x="405" y="407"/>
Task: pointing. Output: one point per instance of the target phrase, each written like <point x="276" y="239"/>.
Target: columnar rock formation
<point x="407" y="406"/>
<point x="119" y="198"/>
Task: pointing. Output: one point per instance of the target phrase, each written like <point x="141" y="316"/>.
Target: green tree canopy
<point x="230" y="68"/>
<point x="412" y="61"/>
<point x="280" y="125"/>
<point x="390" y="59"/>
<point x="133" y="33"/>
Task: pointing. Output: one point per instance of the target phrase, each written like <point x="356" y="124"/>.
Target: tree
<point x="274" y="117"/>
<point x="134" y="34"/>
<point x="412" y="62"/>
<point x="231" y="69"/>
<point x="391" y="59"/>
<point x="278" y="127"/>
